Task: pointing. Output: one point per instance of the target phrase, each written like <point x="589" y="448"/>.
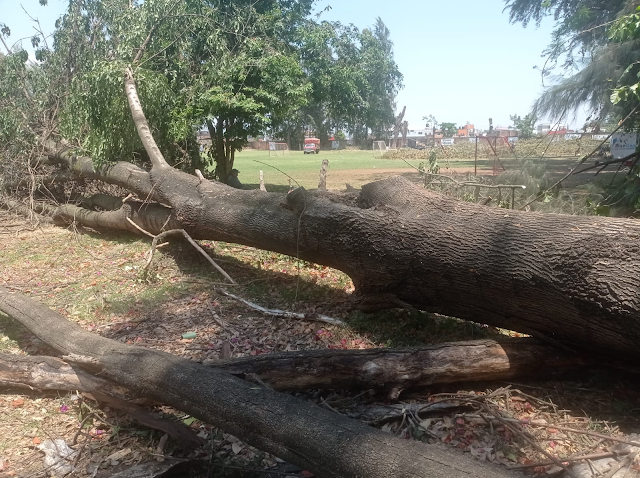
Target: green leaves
<point x="626" y="28"/>
<point x="625" y="93"/>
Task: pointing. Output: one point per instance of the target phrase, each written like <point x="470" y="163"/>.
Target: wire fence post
<point x="475" y="166"/>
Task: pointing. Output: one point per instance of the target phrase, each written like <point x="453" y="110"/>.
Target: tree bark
<point x="262" y="186"/>
<point x="397" y="127"/>
<point x="571" y="280"/>
<point x="391" y="371"/>
<point x="296" y="431"/>
<point x="384" y="370"/>
<point x="49" y="373"/>
<point x="405" y="130"/>
<point x="140" y="121"/>
<point x="322" y="184"/>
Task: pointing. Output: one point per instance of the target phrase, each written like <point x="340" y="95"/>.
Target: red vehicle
<point x="311" y="145"/>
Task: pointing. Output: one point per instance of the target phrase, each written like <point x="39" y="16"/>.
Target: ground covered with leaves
<point x="179" y="305"/>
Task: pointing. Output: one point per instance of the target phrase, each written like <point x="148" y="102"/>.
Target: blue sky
<point x="461" y="61"/>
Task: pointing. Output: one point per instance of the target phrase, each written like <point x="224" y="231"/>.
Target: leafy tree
<point x="229" y="65"/>
<point x="383" y="78"/>
<point x="330" y="58"/>
<point x="581" y="46"/>
<point x="525" y="126"/>
<point x="353" y="76"/>
<point x="448" y="129"/>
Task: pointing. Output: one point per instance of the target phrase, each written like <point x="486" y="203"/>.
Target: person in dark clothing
<point x="233" y="180"/>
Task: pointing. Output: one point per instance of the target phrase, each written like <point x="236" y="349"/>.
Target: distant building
<point x="545" y="128"/>
<point x="416" y="133"/>
<point x="467" y="130"/>
<point x="504" y="132"/>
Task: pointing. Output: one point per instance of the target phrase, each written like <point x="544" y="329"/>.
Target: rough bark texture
<point x="385" y="370"/>
<point x="571" y="280"/>
<point x="567" y="279"/>
<point x="322" y="185"/>
<point x="49" y="373"/>
<point x="318" y="440"/>
<point x="392" y="371"/>
<point x="122" y="174"/>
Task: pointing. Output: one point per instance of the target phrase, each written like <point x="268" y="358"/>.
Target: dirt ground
<point x="97" y="279"/>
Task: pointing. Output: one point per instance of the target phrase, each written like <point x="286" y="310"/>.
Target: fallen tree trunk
<point x="392" y="371"/>
<point x="301" y="433"/>
<point x="571" y="280"/>
<point x="384" y="370"/>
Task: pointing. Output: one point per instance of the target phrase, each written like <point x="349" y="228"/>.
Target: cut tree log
<point x="388" y="371"/>
<point x="50" y="373"/>
<point x="391" y="371"/>
<point x="323" y="442"/>
<point x="571" y="280"/>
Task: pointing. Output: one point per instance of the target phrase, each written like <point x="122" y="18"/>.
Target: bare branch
<point x="286" y="314"/>
<point x="140" y="120"/>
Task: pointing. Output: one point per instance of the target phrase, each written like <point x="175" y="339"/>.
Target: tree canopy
<point x="590" y="62"/>
<point x="525" y="126"/>
<point x="448" y="129"/>
<point x="240" y="68"/>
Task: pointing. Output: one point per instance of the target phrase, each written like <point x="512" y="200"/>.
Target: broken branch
<point x="286" y="314"/>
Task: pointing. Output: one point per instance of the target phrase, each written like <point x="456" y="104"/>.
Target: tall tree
<point x="582" y="49"/>
<point x="525" y="126"/>
<point x="228" y="65"/>
<point x="448" y="129"/>
<point x="383" y="78"/>
<point x="353" y="76"/>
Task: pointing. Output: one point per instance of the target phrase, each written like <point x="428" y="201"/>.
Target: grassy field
<point x="347" y="166"/>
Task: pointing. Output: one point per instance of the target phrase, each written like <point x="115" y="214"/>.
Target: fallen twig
<point x="286" y="314"/>
<point x="143" y="231"/>
<point x="531" y="442"/>
<point x="164" y="234"/>
<point x="571" y="459"/>
<point x="581" y="432"/>
<point x="572" y="171"/>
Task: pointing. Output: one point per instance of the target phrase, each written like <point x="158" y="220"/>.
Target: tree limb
<point x="140" y="121"/>
<point x="317" y="440"/>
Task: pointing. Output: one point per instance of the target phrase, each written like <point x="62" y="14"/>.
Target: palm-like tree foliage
<point x="592" y="64"/>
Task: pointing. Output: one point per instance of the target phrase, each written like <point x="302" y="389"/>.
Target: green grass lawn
<point x="346" y="166"/>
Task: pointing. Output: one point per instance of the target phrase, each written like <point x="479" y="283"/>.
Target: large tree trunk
<point x="316" y="439"/>
<point x="571" y="280"/>
<point x="397" y="128"/>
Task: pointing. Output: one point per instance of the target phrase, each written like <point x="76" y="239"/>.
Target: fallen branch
<point x="604" y="164"/>
<point x="387" y="371"/>
<point x="49" y="373"/>
<point x="285" y="314"/>
<point x="325" y="443"/>
<point x="162" y="235"/>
